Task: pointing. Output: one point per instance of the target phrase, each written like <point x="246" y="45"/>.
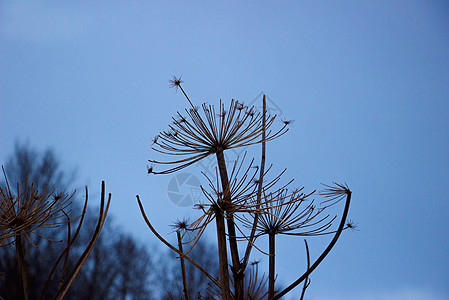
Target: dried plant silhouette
<point x="244" y="201"/>
<point x="118" y="266"/>
<point x="23" y="214"/>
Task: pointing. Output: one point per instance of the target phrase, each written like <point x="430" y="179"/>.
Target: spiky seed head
<point x="175" y="82"/>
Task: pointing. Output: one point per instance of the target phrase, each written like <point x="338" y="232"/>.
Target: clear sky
<point x="367" y="83"/>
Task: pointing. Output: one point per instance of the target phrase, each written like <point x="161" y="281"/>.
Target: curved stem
<point x="325" y="252"/>
<point x="65" y="252"/>
<point x="307" y="281"/>
<point x="142" y="211"/>
<point x="76" y="269"/>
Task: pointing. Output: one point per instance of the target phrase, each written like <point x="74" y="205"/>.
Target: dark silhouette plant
<point x="24" y="213"/>
<point x="118" y="266"/>
<point x="243" y="202"/>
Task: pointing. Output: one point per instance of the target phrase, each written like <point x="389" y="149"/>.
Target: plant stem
<point x="147" y="221"/>
<point x="236" y="269"/>
<point x="307" y="280"/>
<point x="183" y="267"/>
<point x="222" y="256"/>
<point x="271" y="264"/>
<point x="22" y="266"/>
<point x="325" y="252"/>
<point x="259" y="190"/>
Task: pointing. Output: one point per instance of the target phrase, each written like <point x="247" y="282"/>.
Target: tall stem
<point x="271" y="262"/>
<point x="236" y="269"/>
<point x="183" y="267"/>
<point x="259" y="189"/>
<point x="22" y="266"/>
<point x="222" y="256"/>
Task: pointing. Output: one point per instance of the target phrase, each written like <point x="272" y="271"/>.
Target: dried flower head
<point x="201" y="134"/>
<point x="243" y="186"/>
<point x="22" y="214"/>
<point x="255" y="285"/>
<point x="284" y="212"/>
<point x="154" y="140"/>
<point x="243" y="197"/>
<point x="181" y="225"/>
<point x="240" y="105"/>
<point x="334" y="194"/>
<point x="150" y="169"/>
<point x="287" y="122"/>
<point x="175" y="82"/>
<point x="350" y="224"/>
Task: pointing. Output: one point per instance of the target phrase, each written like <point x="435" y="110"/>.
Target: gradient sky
<point x="367" y="83"/>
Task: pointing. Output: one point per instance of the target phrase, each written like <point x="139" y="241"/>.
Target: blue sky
<point x="367" y="83"/>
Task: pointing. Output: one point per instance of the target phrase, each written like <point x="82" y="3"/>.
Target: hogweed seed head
<point x="175" y="82"/>
<point x="29" y="210"/>
<point x="201" y="134"/>
<point x="350" y="224"/>
<point x="335" y="193"/>
<point x="285" y="212"/>
<point x="181" y="225"/>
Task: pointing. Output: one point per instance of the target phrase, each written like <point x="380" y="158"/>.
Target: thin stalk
<point x="153" y="230"/>
<point x="183" y="267"/>
<point x="307" y="281"/>
<point x="259" y="191"/>
<point x="22" y="266"/>
<point x="66" y="259"/>
<point x="188" y="99"/>
<point x="271" y="264"/>
<point x="66" y="251"/>
<point x="236" y="269"/>
<point x="325" y="252"/>
<point x="104" y="208"/>
<point x="222" y="256"/>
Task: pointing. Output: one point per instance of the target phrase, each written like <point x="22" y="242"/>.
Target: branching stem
<point x="236" y="269"/>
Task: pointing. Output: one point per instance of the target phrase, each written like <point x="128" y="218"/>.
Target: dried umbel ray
<point x="287" y="213"/>
<point x="291" y="213"/>
<point x="198" y="135"/>
<point x="30" y="209"/>
<point x="244" y="200"/>
<point x="244" y="183"/>
<point x="254" y="283"/>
